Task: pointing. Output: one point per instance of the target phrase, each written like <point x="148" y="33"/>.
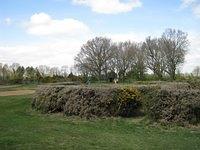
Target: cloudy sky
<point x="51" y="32"/>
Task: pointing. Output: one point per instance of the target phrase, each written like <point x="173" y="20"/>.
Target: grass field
<point x="23" y="128"/>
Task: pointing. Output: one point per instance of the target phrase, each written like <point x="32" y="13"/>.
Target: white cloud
<point x="109" y="6"/>
<point x="137" y="36"/>
<point x="41" y="24"/>
<point x="186" y="3"/>
<point x="193" y="4"/>
<point x="126" y="37"/>
<point x="8" y="21"/>
<point x="61" y="41"/>
<point x="51" y="53"/>
<point x="193" y="56"/>
<point x="196" y="10"/>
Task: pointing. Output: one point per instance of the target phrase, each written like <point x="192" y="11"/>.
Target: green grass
<point x="23" y="128"/>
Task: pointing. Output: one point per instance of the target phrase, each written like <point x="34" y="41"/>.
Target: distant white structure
<point x="116" y="80"/>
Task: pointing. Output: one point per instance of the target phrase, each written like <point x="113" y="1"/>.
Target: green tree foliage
<point x="19" y="74"/>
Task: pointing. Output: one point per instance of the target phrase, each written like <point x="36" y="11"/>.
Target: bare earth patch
<point x="18" y="92"/>
<point x="8" y="86"/>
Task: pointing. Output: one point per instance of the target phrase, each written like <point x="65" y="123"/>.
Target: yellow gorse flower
<point x="129" y="94"/>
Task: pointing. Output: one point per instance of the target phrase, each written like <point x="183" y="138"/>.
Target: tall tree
<point x="1" y="71"/>
<point x="174" y="45"/>
<point x="54" y="71"/>
<point x="140" y="66"/>
<point x="65" y="70"/>
<point x="38" y="75"/>
<point x="30" y="73"/>
<point x="124" y="57"/>
<point x="14" y="68"/>
<point x="5" y="73"/>
<point x="196" y="71"/>
<point x="95" y="56"/>
<point x="20" y="74"/>
<point x="155" y="57"/>
<point x="44" y="70"/>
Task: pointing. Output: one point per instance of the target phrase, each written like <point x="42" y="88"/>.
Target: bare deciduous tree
<point x="140" y="66"/>
<point x="14" y="68"/>
<point x="44" y="70"/>
<point x="5" y="72"/>
<point x="124" y="57"/>
<point x="196" y="71"/>
<point x="95" y="56"/>
<point x="65" y="70"/>
<point x="1" y="71"/>
<point x="155" y="58"/>
<point x="174" y="46"/>
<point x="54" y="71"/>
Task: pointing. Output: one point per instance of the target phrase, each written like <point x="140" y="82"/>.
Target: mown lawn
<point x="23" y="128"/>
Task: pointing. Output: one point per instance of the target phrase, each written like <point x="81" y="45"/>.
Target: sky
<point x="51" y="32"/>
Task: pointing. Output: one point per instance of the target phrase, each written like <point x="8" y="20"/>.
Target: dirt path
<point x="18" y="92"/>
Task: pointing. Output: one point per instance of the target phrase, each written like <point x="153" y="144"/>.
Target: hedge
<point x="88" y="102"/>
<point x="172" y="103"/>
<point x="179" y="106"/>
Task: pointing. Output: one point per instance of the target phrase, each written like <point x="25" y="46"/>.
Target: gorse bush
<point x="171" y="103"/>
<point x="174" y="106"/>
<point x="88" y="102"/>
<point x="46" y="99"/>
<point x="194" y="83"/>
<point x="128" y="100"/>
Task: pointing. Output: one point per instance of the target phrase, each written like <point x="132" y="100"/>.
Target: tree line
<point x="16" y="74"/>
<point x="101" y="58"/>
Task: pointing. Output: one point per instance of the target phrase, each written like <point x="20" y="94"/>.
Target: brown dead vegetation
<point x="17" y="92"/>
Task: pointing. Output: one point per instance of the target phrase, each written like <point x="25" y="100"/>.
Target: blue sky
<point x="50" y="32"/>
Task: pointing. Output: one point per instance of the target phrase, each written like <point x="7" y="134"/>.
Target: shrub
<point x="176" y="85"/>
<point x="173" y="103"/>
<point x="194" y="83"/>
<point x="128" y="101"/>
<point x="88" y="102"/>
<point x="46" y="99"/>
<point x="174" y="106"/>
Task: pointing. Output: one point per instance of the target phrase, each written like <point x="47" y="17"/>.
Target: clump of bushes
<point x="194" y="83"/>
<point x="173" y="106"/>
<point x="165" y="104"/>
<point x="128" y="100"/>
<point x="47" y="100"/>
<point x="88" y="102"/>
